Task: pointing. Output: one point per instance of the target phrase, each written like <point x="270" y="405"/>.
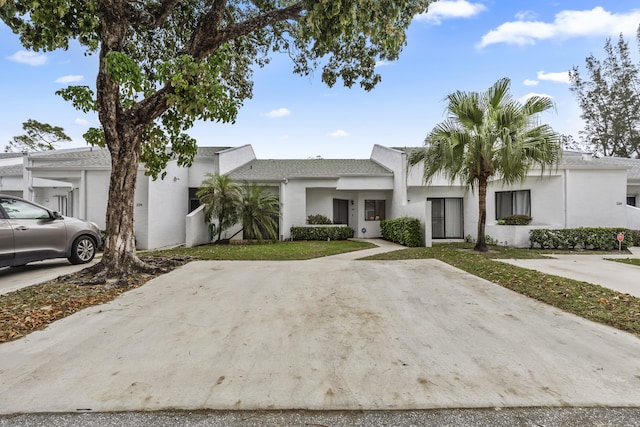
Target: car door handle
<point x="22" y="228"/>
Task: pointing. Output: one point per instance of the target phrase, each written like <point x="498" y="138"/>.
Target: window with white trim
<point x="374" y="210"/>
<point x="513" y="203"/>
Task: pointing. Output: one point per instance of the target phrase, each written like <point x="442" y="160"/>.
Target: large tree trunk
<point x="481" y="245"/>
<point x="119" y="257"/>
<point x="123" y="134"/>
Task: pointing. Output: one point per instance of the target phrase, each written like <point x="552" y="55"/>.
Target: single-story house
<point x="581" y="191"/>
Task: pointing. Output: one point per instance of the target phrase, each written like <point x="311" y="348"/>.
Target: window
<point x="446" y="218"/>
<point x="374" y="210"/>
<point x="631" y="200"/>
<point x="513" y="203"/>
<point x="194" y="201"/>
<point x="16" y="209"/>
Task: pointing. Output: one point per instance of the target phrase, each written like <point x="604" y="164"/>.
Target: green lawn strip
<point x="632" y="261"/>
<point x="587" y="300"/>
<point x="278" y="251"/>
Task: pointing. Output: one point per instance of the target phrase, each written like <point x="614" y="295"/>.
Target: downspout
<point x="282" y="206"/>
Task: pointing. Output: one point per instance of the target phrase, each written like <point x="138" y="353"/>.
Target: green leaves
<point x="82" y="98"/>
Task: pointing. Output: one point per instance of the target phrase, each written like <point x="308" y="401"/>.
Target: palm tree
<point x="221" y="199"/>
<point x="259" y="212"/>
<point x="488" y="134"/>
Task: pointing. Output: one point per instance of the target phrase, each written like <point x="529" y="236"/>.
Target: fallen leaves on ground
<point x="33" y="308"/>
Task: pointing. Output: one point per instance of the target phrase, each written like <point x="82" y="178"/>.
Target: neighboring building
<point x="581" y="191"/>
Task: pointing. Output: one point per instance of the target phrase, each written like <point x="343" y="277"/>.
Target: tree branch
<point x="207" y="37"/>
<point x="152" y="18"/>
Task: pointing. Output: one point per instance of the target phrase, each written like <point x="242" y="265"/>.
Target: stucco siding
<point x="95" y="192"/>
<point x="596" y="198"/>
<point x="168" y="202"/>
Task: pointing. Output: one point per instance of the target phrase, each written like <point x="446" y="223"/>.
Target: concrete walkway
<point x="325" y="334"/>
<point x="596" y="269"/>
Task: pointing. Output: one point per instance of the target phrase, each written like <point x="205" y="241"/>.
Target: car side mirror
<point x="56" y="215"/>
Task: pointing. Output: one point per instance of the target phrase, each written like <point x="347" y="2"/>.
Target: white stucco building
<point x="581" y="191"/>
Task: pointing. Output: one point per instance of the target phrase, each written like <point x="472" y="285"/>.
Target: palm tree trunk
<point x="481" y="245"/>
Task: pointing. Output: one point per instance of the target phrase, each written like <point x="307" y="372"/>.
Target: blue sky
<point x="459" y="45"/>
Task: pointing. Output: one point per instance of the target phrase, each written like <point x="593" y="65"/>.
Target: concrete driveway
<point x="332" y="333"/>
<point x="14" y="278"/>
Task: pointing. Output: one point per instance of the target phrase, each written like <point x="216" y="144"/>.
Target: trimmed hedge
<point x="342" y="232"/>
<point x="604" y="239"/>
<point x="318" y="219"/>
<point x="406" y="231"/>
<point x="517" y="220"/>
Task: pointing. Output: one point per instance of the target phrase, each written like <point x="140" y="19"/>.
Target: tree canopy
<point x="610" y="100"/>
<point x="167" y="63"/>
<point x="488" y="135"/>
<point x="38" y="137"/>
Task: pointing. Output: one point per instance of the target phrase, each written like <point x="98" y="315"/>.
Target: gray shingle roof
<point x="10" y="155"/>
<point x="93" y="157"/>
<point x="273" y="170"/>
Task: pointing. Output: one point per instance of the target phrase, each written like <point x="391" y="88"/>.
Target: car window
<point x="17" y="209"/>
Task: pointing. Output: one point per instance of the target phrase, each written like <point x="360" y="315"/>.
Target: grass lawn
<point x="29" y="309"/>
<point x="278" y="251"/>
<point x="632" y="261"/>
<point x="590" y="301"/>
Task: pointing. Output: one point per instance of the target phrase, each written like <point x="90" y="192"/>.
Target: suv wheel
<point x="83" y="250"/>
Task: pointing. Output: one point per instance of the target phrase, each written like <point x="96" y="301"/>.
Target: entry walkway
<point x="594" y="269"/>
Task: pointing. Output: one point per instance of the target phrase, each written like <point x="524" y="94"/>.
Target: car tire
<point x="83" y="250"/>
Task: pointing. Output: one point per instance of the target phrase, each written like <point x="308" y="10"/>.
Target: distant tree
<point x="610" y="100"/>
<point x="259" y="212"/>
<point x="568" y="142"/>
<point x="39" y="137"/>
<point x="163" y="64"/>
<point x="485" y="135"/>
<point x="221" y="199"/>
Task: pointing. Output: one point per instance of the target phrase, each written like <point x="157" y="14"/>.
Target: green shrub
<point x="342" y="232"/>
<point x="318" y="220"/>
<point x="603" y="239"/>
<point x="635" y="237"/>
<point x="517" y="220"/>
<point x="406" y="231"/>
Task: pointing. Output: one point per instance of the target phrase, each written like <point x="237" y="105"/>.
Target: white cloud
<point x="526" y="15"/>
<point x="445" y="9"/>
<point x="276" y="114"/>
<point x="69" y="79"/>
<point x="81" y="122"/>
<point x="566" y="24"/>
<point x="528" y="82"/>
<point x="30" y="58"/>
<point x="562" y="77"/>
<point x="382" y="63"/>
<point x="338" y="134"/>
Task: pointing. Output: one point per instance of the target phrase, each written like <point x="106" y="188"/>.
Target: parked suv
<point x="30" y="232"/>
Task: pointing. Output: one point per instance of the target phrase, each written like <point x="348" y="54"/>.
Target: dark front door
<point x="340" y="211"/>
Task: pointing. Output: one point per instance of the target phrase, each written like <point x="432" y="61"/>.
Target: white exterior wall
<point x="320" y="201"/>
<point x="168" y="203"/>
<point x="234" y="157"/>
<point x="200" y="167"/>
<point x="633" y="219"/>
<point x="141" y="212"/>
<point x="596" y="198"/>
<point x="396" y="161"/>
<point x="196" y="228"/>
<point x="95" y="193"/>
<point x="422" y="211"/>
<point x="547" y="198"/>
<point x="372" y="228"/>
<point x="11" y="185"/>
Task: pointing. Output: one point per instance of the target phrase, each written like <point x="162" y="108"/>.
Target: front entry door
<point x="340" y="211"/>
